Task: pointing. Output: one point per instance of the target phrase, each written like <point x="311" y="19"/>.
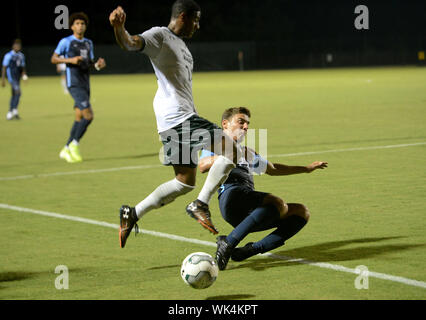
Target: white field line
<point x="151" y="166"/>
<point x="323" y="265"/>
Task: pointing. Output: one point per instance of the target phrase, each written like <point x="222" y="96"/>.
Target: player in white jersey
<point x="177" y="119"/>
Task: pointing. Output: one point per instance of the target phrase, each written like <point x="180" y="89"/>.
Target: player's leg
<point x="14" y="101"/>
<point x="86" y="119"/>
<point x="290" y="224"/>
<point x="195" y="134"/>
<point x="66" y="152"/>
<point x="84" y="115"/>
<point x="218" y="173"/>
<point x="257" y="213"/>
<point x="164" y="194"/>
<point x="9" y="115"/>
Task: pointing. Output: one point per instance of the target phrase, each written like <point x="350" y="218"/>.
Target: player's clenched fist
<point x="117" y="17"/>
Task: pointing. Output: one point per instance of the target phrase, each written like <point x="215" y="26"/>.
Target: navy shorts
<point x="81" y="97"/>
<point x="237" y="202"/>
<point x="16" y="86"/>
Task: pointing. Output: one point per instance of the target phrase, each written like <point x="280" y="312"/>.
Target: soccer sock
<point x="260" y="216"/>
<point x="81" y="129"/>
<point x="164" y="194"/>
<point x="218" y="174"/>
<point x="73" y="131"/>
<point x="14" y="101"/>
<point x="287" y="228"/>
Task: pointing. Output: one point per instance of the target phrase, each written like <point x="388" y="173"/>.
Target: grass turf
<point x="367" y="207"/>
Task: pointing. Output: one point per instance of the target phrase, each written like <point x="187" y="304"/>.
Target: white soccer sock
<point x="164" y="194"/>
<point x="217" y="175"/>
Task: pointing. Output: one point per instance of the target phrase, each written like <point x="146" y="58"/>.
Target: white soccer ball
<point x="199" y="270"/>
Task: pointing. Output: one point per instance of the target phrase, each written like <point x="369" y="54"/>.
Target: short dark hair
<point x="229" y="113"/>
<point x="78" y="16"/>
<point x="17" y="41"/>
<point x="189" y="7"/>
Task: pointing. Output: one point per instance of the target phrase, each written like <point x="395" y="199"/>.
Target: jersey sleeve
<point x="62" y="47"/>
<point x="259" y="165"/>
<point x="153" y="41"/>
<point x="6" y="60"/>
<point x="206" y="153"/>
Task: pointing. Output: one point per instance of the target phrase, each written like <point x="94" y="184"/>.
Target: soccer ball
<point x="199" y="270"/>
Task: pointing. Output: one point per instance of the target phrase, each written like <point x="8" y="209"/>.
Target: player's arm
<point x="56" y="59"/>
<point x="5" y="63"/>
<point x="3" y="76"/>
<point x="278" y="169"/>
<point x="204" y="164"/>
<point x="126" y="41"/>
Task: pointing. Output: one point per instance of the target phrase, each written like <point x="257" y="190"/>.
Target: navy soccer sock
<point x="287" y="228"/>
<point x="14" y="101"/>
<point x="260" y="216"/>
<point x="81" y="129"/>
<point x="73" y="131"/>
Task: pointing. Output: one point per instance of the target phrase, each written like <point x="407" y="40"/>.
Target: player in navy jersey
<point x="78" y="55"/>
<point x="14" y="68"/>
<point x="248" y="210"/>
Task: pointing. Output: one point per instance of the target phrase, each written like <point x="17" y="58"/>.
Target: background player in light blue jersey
<point x="14" y="68"/>
<point x="78" y="55"/>
<point x="248" y="210"/>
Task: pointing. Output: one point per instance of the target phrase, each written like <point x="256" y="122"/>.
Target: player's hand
<point x="76" y="60"/>
<point x="100" y="64"/>
<point x="317" y="165"/>
<point x="117" y="18"/>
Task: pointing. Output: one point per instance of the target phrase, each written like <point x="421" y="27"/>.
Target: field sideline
<point x="367" y="207"/>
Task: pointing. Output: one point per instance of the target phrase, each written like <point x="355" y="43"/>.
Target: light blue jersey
<point x="14" y="62"/>
<point x="69" y="47"/>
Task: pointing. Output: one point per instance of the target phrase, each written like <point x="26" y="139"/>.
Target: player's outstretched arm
<point x="278" y="169"/>
<point x="117" y="18"/>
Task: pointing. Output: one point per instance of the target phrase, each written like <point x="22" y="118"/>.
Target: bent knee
<point x="278" y="203"/>
<point x="302" y="211"/>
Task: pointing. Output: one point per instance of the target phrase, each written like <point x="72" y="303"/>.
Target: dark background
<point x="271" y="33"/>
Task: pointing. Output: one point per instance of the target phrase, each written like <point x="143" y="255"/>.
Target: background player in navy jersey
<point x="77" y="52"/>
<point x="248" y="210"/>
<point x="14" y="68"/>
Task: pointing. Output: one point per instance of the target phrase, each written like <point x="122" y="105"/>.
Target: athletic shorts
<point x="182" y="143"/>
<point x="237" y="202"/>
<point x="81" y="97"/>
<point x="16" y="86"/>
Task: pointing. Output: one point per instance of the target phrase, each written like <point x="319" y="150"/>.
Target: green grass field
<point x="368" y="208"/>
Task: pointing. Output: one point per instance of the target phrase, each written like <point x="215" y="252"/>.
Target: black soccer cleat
<point x="243" y="253"/>
<point x="200" y="212"/>
<point x="128" y="219"/>
<point x="223" y="252"/>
